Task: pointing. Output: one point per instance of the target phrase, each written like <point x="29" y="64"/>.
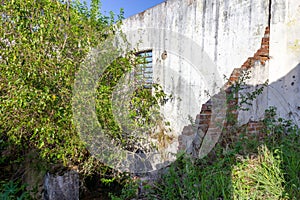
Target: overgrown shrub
<point x="249" y="168"/>
<point x="13" y="190"/>
<point x="42" y="44"/>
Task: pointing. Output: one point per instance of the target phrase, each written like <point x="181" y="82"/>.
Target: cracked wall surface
<point x="262" y="36"/>
<point x="284" y="73"/>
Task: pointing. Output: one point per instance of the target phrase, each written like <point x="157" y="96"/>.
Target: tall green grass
<point x="259" y="177"/>
<point x="249" y="167"/>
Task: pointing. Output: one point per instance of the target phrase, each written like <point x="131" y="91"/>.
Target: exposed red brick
<point x="203" y="119"/>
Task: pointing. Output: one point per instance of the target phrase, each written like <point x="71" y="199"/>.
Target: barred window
<point x="145" y="68"/>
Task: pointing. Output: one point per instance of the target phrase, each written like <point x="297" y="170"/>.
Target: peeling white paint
<point x="228" y="32"/>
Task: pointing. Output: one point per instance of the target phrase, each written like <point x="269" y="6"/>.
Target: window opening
<point x="144" y="70"/>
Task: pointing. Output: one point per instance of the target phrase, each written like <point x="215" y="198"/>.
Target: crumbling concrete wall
<point x="283" y="68"/>
<point x="197" y="42"/>
<point x="284" y="74"/>
<point x="223" y="33"/>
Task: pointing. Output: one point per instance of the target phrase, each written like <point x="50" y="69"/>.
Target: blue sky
<point x="131" y="7"/>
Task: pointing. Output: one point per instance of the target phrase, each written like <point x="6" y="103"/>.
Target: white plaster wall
<point x="259" y="75"/>
<point x="224" y="33"/>
<point x="284" y="76"/>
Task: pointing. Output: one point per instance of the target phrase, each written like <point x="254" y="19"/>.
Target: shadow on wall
<point x="285" y="95"/>
<point x="259" y="159"/>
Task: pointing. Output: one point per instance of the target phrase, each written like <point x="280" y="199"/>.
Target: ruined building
<point x="193" y="44"/>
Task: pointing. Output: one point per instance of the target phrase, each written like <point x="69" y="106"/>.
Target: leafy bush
<point x="42" y="44"/>
<point x="13" y="190"/>
<point x="143" y="103"/>
<point x="129" y="191"/>
<point x="249" y="168"/>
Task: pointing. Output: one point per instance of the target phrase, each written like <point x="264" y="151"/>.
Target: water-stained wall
<point x="196" y="43"/>
<point x="284" y="74"/>
<point x="283" y="67"/>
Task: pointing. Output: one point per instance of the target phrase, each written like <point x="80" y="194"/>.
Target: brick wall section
<point x="255" y="128"/>
<point x="203" y="119"/>
<point x="262" y="55"/>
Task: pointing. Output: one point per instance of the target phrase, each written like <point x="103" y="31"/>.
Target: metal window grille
<point x="145" y="68"/>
